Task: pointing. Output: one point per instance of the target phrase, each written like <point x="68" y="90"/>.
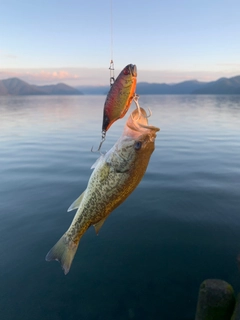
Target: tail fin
<point x="64" y="252"/>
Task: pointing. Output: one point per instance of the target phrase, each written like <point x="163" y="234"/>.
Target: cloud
<point x="40" y="76"/>
<point x="237" y="65"/>
<point x="71" y="76"/>
<point x="174" y="76"/>
<point x="49" y="76"/>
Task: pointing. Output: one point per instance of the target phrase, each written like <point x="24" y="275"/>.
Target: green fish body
<point x="116" y="174"/>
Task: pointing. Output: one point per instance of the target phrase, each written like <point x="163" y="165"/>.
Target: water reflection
<point x="180" y="226"/>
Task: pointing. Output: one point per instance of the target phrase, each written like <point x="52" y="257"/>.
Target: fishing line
<point x="111" y="28"/>
<point x="111" y="68"/>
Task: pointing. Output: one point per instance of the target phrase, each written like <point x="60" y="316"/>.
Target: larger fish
<point x="120" y="96"/>
<point x="116" y="174"/>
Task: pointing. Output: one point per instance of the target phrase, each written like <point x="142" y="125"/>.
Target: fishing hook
<point x="100" y="145"/>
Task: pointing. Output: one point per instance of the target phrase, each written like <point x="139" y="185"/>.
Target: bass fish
<point x="120" y="96"/>
<point x="116" y="174"/>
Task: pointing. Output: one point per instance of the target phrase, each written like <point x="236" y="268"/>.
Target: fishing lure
<point x="119" y="98"/>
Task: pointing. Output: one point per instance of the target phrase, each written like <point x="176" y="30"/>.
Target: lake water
<point x="180" y="226"/>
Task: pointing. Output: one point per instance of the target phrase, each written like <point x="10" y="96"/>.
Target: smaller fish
<point x="120" y="96"/>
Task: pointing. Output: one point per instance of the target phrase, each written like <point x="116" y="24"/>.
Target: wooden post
<point x="236" y="313"/>
<point x="215" y="300"/>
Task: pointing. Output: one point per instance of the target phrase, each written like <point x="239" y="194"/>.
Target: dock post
<point x="215" y="300"/>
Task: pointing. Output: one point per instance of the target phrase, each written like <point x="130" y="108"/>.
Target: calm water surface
<point x="179" y="227"/>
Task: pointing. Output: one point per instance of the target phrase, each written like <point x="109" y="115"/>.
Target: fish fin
<point x="76" y="203"/>
<point x="64" y="252"/>
<point x="99" y="224"/>
<point x="97" y="161"/>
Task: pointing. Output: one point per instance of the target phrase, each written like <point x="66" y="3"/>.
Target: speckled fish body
<point x="116" y="174"/>
<point x="120" y="96"/>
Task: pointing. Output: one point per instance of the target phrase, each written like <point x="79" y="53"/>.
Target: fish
<point x="120" y="96"/>
<point x="115" y="176"/>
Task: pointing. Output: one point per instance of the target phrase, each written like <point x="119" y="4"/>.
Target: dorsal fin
<point x="76" y="203"/>
<point x="98" y="225"/>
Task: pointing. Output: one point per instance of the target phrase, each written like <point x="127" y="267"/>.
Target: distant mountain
<point x="220" y="86"/>
<point x="15" y="86"/>
<point x="60" y="88"/>
<point x="185" y="87"/>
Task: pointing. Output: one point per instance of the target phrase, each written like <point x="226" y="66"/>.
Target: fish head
<point x="138" y="140"/>
<point x="128" y="76"/>
<point x="130" y="70"/>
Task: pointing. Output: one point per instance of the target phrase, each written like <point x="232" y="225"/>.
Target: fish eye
<point x="126" y="71"/>
<point x="138" y="145"/>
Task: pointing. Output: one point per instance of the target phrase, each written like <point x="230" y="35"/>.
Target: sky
<point x="73" y="41"/>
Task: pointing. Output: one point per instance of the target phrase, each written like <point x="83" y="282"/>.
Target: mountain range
<point x="15" y="86"/>
<point x="220" y="86"/>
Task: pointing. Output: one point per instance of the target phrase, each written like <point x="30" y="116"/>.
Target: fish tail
<point x="64" y="252"/>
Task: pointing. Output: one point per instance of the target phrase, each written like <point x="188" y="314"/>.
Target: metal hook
<point x="100" y="145"/>
<point x="111" y="68"/>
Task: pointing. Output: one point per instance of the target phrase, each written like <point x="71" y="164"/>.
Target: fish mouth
<point x="130" y="69"/>
<point x="138" y="124"/>
<point x="133" y="70"/>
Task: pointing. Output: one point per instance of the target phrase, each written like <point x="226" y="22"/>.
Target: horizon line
<point x="105" y="85"/>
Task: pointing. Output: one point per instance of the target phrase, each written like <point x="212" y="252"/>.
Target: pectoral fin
<point x="98" y="225"/>
<point x="76" y="203"/>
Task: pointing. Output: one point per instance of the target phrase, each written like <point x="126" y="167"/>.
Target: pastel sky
<point x="51" y="41"/>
